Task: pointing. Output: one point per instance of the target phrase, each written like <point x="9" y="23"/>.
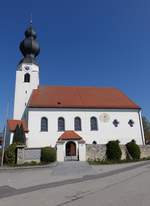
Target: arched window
<point x="94" y="124"/>
<point x="61" y="124"/>
<point x="44" y="124"/>
<point x="77" y="124"/>
<point x="27" y="77"/>
<point x="94" y="142"/>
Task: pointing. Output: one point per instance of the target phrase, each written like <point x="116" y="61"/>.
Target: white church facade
<point x="68" y="118"/>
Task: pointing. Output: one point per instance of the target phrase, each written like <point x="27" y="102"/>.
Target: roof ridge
<point x="75" y="86"/>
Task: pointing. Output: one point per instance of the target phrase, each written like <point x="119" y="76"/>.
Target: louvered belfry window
<point x="27" y="77"/>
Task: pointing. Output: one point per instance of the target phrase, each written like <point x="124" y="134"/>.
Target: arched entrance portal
<point x="70" y="149"/>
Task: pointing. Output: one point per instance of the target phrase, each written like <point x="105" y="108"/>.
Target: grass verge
<point x="107" y="162"/>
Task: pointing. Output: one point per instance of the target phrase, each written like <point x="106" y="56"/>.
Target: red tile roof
<point x="13" y="123"/>
<point x="80" y="97"/>
<point x="70" y="135"/>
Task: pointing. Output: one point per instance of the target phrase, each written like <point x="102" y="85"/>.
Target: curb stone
<point x="7" y="168"/>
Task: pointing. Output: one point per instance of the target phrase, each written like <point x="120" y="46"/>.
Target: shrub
<point x="48" y="154"/>
<point x="30" y="163"/>
<point x="133" y="149"/>
<point x="10" y="154"/>
<point x="113" y="151"/>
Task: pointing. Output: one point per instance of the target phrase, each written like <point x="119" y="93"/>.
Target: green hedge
<point x="133" y="149"/>
<point x="10" y="154"/>
<point x="48" y="154"/>
<point x="113" y="151"/>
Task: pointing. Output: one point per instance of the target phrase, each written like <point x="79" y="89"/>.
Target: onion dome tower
<point x="27" y="74"/>
<point x="29" y="47"/>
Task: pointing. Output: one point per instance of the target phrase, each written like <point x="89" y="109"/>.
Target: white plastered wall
<point x="82" y="152"/>
<point x="60" y="152"/>
<point x="106" y="130"/>
<point x="23" y="89"/>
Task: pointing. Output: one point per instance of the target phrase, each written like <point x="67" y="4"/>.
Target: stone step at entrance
<point x="72" y="168"/>
<point x="71" y="158"/>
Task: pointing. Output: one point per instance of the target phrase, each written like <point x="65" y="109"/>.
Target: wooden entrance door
<point x="70" y="149"/>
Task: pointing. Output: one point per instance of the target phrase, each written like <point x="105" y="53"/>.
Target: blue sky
<point x="83" y="42"/>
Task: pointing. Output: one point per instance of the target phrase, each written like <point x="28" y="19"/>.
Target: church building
<point x="69" y="117"/>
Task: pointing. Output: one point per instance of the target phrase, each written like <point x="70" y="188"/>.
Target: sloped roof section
<point x="70" y="135"/>
<point x="80" y="97"/>
<point x="13" y="123"/>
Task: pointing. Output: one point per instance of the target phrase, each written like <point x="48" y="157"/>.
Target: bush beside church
<point x="99" y="152"/>
<point x="19" y="154"/>
<point x="112" y="151"/>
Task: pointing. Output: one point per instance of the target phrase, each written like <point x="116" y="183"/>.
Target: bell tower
<point x="27" y="74"/>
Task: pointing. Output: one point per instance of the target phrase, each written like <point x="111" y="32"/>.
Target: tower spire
<point x="29" y="47"/>
<point x="31" y="19"/>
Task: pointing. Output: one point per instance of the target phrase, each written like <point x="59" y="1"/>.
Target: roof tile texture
<point x="70" y="135"/>
<point x="13" y="123"/>
<point x="80" y="97"/>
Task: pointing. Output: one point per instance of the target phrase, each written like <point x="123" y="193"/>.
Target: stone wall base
<point x="98" y="151"/>
<point x="28" y="155"/>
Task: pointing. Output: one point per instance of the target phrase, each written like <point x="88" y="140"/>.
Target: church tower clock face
<point x="27" y="68"/>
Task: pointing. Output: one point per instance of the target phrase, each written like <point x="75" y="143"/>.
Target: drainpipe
<point x="141" y="126"/>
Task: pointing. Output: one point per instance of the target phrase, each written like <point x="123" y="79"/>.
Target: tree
<point x="146" y="127"/>
<point x="22" y="135"/>
<point x="19" y="135"/>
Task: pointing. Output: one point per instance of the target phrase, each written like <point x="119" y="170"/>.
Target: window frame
<point x="131" y="123"/>
<point x="116" y="122"/>
<point x="94" y="142"/>
<point x="77" y="124"/>
<point x="45" y="127"/>
<point x="95" y="126"/>
<point x="61" y="126"/>
<point x="27" y="77"/>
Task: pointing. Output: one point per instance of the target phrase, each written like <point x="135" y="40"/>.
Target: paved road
<point x="118" y="185"/>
